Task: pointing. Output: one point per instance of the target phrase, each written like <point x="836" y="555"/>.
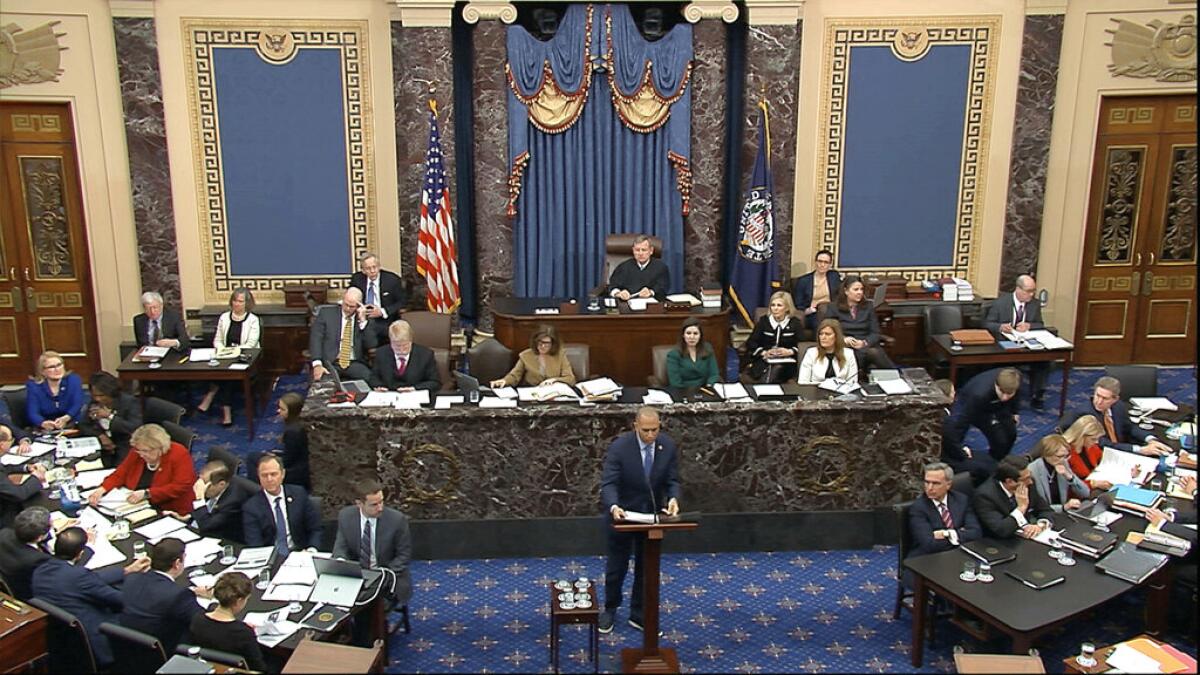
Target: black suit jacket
<point x="864" y="326"/>
<point x="171" y="326"/>
<point x="156" y="605"/>
<point x="325" y="337"/>
<point x="623" y="482"/>
<point x="1002" y="311"/>
<point x="976" y="404"/>
<point x="17" y="562"/>
<point x="258" y="519"/>
<point x="924" y="520"/>
<point x="1128" y="433"/>
<point x="628" y="277"/>
<point x="392" y="542"/>
<point x="128" y="417"/>
<point x="225" y="520"/>
<point x="421" y="371"/>
<point x="392" y="298"/>
<point x="994" y="509"/>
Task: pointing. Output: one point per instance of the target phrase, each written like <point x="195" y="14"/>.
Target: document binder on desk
<point x="1036" y="573"/>
<point x="989" y="551"/>
<point x="1130" y="563"/>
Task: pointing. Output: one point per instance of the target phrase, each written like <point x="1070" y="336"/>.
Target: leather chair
<point x="580" y="356"/>
<point x="803" y="345"/>
<point x="134" y="651"/>
<point x="180" y="434"/>
<point x="963" y="483"/>
<point x="617" y="249"/>
<point x="490" y="360"/>
<point x="940" y="320"/>
<point x="159" y="410"/>
<point x="217" y="453"/>
<point x="213" y="655"/>
<point x="430" y="329"/>
<point x="70" y="650"/>
<point x="15" y="400"/>
<point x="1136" y="381"/>
<point x="442" y="358"/>
<point x="904" y="597"/>
<point x="660" y="377"/>
<point x="251" y="487"/>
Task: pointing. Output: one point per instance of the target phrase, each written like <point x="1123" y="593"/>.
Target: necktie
<point x="370" y="292"/>
<point x="281" y="544"/>
<point x="1020" y="314"/>
<point x="946" y="519"/>
<point x="1109" y="427"/>
<point x="365" y="546"/>
<point x="402" y="366"/>
<point x="155" y="333"/>
<point x="346" y="348"/>
<point x="647" y="460"/>
<point x="1055" y="494"/>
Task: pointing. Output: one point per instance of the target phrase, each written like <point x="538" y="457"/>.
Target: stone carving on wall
<point x="29" y="56"/>
<point x="490" y="9"/>
<point x="710" y="9"/>
<point x="1163" y="51"/>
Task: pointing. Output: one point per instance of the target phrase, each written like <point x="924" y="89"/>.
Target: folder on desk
<point x="1130" y="563"/>
<point x="1037" y="572"/>
<point x="989" y="551"/>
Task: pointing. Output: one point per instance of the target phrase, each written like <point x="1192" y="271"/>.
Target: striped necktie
<point x="946" y="519"/>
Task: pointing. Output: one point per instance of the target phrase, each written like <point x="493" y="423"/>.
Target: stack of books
<point x="1162" y="542"/>
<point x="1086" y="540"/>
<point x="710" y="297"/>
<point x="1135" y="500"/>
<point x="1130" y="563"/>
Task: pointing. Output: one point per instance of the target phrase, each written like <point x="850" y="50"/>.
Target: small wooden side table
<point x="22" y="636"/>
<point x="1071" y="666"/>
<point x="589" y="616"/>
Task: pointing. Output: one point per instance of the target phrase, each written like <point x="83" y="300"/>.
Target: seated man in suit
<point x="1018" y="313"/>
<point x="988" y="403"/>
<point x="383" y="293"/>
<point x="338" y="338"/>
<point x="942" y="518"/>
<point x="641" y="474"/>
<point x="642" y="276"/>
<point x="1007" y="505"/>
<point x="280" y="515"/>
<point x="221" y="514"/>
<point x="19" y="483"/>
<point x="1176" y="524"/>
<point x="159" y="327"/>
<point x="1119" y="430"/>
<point x="65" y="582"/>
<point x="377" y="537"/>
<point x="111" y="417"/>
<point x="154" y="604"/>
<point x="402" y="365"/>
<point x="23" y="548"/>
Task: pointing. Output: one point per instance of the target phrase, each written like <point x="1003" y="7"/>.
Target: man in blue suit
<point x="155" y="604"/>
<point x="66" y="583"/>
<point x="987" y="402"/>
<point x="1119" y="430"/>
<point x="942" y="518"/>
<point x="641" y="474"/>
<point x="264" y="512"/>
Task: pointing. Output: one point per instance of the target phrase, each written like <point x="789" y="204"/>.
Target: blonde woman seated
<point x="775" y="336"/>
<point x="692" y="362"/>
<point x="544" y="362"/>
<point x="1084" y="436"/>
<point x="1051" y="474"/>
<point x="830" y="358"/>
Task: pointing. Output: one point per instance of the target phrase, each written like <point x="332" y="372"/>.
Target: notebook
<point x="1037" y="572"/>
<point x="989" y="551"/>
<point x="1130" y="563"/>
<point x="1087" y="540"/>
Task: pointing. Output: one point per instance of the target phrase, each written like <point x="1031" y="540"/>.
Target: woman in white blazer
<point x="238" y="327"/>
<point x="830" y="358"/>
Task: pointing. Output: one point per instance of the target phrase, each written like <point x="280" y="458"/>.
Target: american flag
<point x="437" y="258"/>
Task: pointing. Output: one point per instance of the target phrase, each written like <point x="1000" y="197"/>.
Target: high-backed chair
<point x="159" y="410"/>
<point x="180" y="434"/>
<point x="617" y="249"/>
<point x="940" y="320"/>
<point x="580" y="356"/>
<point x="213" y="655"/>
<point x="905" y="542"/>
<point x="15" y="400"/>
<point x="430" y="329"/>
<point x="808" y="340"/>
<point x="1136" y="381"/>
<point x="442" y="358"/>
<point x="134" y="651"/>
<point x="660" y="377"/>
<point x="217" y="453"/>
<point x="70" y="650"/>
<point x="490" y="360"/>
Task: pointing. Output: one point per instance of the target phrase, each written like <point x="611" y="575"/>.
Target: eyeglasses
<point x="545" y="342"/>
<point x="54" y="365"/>
<point x="824" y="261"/>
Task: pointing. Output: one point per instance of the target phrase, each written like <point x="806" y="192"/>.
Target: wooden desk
<point x="326" y="657"/>
<point x="284" y="334"/>
<point x="620" y="345"/>
<point x="22" y="635"/>
<point x="995" y="355"/>
<point x="1070" y="665"/>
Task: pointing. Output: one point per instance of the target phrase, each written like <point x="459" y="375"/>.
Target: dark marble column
<point x="702" y="228"/>
<point x="773" y="63"/>
<point x="149" y="169"/>
<point x="420" y="56"/>
<point x="1031" y="147"/>
<point x="493" y="231"/>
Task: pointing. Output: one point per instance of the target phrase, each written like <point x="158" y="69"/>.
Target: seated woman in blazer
<point x="830" y="358"/>
<point x="158" y="470"/>
<point x="692" y="362"/>
<point x="859" y="324"/>
<point x="53" y="397"/>
<point x="775" y="336"/>
<point x="818" y="287"/>
<point x="545" y="362"/>
<point x="1052" y="476"/>
<point x="236" y="328"/>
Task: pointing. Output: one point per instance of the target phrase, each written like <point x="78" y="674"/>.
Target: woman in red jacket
<point x="158" y="471"/>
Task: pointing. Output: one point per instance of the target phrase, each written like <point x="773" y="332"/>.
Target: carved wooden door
<point x="46" y="298"/>
<point x="1137" y="299"/>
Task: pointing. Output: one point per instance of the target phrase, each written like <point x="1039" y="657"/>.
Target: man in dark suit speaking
<point x="339" y="338"/>
<point x="402" y="365"/>
<point x="643" y="276"/>
<point x="382" y="292"/>
<point x="641" y="474"/>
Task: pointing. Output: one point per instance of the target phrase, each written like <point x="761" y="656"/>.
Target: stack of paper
<point x="684" y="297"/>
<point x="657" y="397"/>
<point x="1141" y="655"/>
<point x="1047" y="339"/>
<point x="443" y="402"/>
<point x="184" y="535"/>
<point x="761" y="390"/>
<point x="201" y="551"/>
<point x="157" y="529"/>
<point x="411" y="400"/>
<point x="1123" y="468"/>
<point x="379" y="399"/>
<point x="893" y="387"/>
<point x="495" y="402"/>
<point x="202" y="355"/>
<point x="835" y="385"/>
<point x="1152" y="403"/>
<point x="13" y="459"/>
<point x="505" y="393"/>
<point x="256" y="556"/>
<point x="87" y="480"/>
<point x="599" y="387"/>
<point x="297" y="568"/>
<point x="640" y="304"/>
<point x="78" y="447"/>
<point x="103" y="554"/>
<point x="549" y="392"/>
<point x="734" y="392"/>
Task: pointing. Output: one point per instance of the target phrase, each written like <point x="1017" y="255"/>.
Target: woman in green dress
<point x="692" y="362"/>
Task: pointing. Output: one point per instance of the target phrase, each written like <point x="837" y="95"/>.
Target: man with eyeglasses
<point x="1014" y="315"/>
<point x="817" y="287"/>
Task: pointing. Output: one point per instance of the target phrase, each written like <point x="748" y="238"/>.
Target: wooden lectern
<point x="650" y="658"/>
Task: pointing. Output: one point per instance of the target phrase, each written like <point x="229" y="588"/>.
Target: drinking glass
<point x="264" y="579"/>
<point x="227" y="556"/>
<point x="139" y="548"/>
<point x="120" y="529"/>
<point x="985" y="572"/>
<point x="968" y="573"/>
<point x="1087" y="655"/>
<point x="1068" y="558"/>
<point x="1056" y="548"/>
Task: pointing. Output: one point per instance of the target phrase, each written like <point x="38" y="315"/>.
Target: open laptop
<point x="466" y="383"/>
<point x="349" y="386"/>
<point x="880" y="294"/>
<point x="339" y="581"/>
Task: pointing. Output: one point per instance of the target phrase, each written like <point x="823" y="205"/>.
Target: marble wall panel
<point x="1031" y="147"/>
<point x="422" y="58"/>
<point x="149" y="169"/>
<point x="493" y="230"/>
<point x="703" y="225"/>
<point x="773" y="71"/>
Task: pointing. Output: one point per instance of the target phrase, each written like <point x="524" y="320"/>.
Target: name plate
<point x="545" y="310"/>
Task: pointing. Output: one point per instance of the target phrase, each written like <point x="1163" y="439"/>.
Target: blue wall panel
<point x="903" y="149"/>
<point x="283" y="151"/>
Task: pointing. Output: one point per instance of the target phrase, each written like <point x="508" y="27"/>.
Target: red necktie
<point x="946" y="519"/>
<point x="402" y="366"/>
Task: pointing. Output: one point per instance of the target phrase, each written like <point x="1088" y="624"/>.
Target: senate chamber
<point x="485" y="335"/>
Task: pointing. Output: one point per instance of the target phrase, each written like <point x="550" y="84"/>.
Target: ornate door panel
<point x="45" y="292"/>
<point x="1137" y="299"/>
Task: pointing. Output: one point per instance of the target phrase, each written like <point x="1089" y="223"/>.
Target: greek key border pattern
<point x="201" y="37"/>
<point x="981" y="33"/>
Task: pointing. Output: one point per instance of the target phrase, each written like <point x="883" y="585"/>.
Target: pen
<point x="708" y="391"/>
<point x="184" y="359"/>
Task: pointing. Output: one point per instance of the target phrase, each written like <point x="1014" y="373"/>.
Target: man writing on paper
<point x="643" y="276"/>
<point x="1020" y="313"/>
<point x="1119" y="430"/>
<point x="403" y="365"/>
<point x="641" y="474"/>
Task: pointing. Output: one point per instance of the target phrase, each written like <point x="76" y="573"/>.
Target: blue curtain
<point x="596" y="176"/>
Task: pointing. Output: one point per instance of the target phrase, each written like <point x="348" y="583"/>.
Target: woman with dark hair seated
<point x="221" y="629"/>
<point x="53" y="396"/>
<point x="859" y="324"/>
<point x="545" y="362"/>
<point x="692" y="362"/>
<point x="775" y="338"/>
<point x="112" y="417"/>
<point x="294" y="442"/>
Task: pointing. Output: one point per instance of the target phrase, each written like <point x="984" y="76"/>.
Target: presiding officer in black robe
<point x="642" y="276"/>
